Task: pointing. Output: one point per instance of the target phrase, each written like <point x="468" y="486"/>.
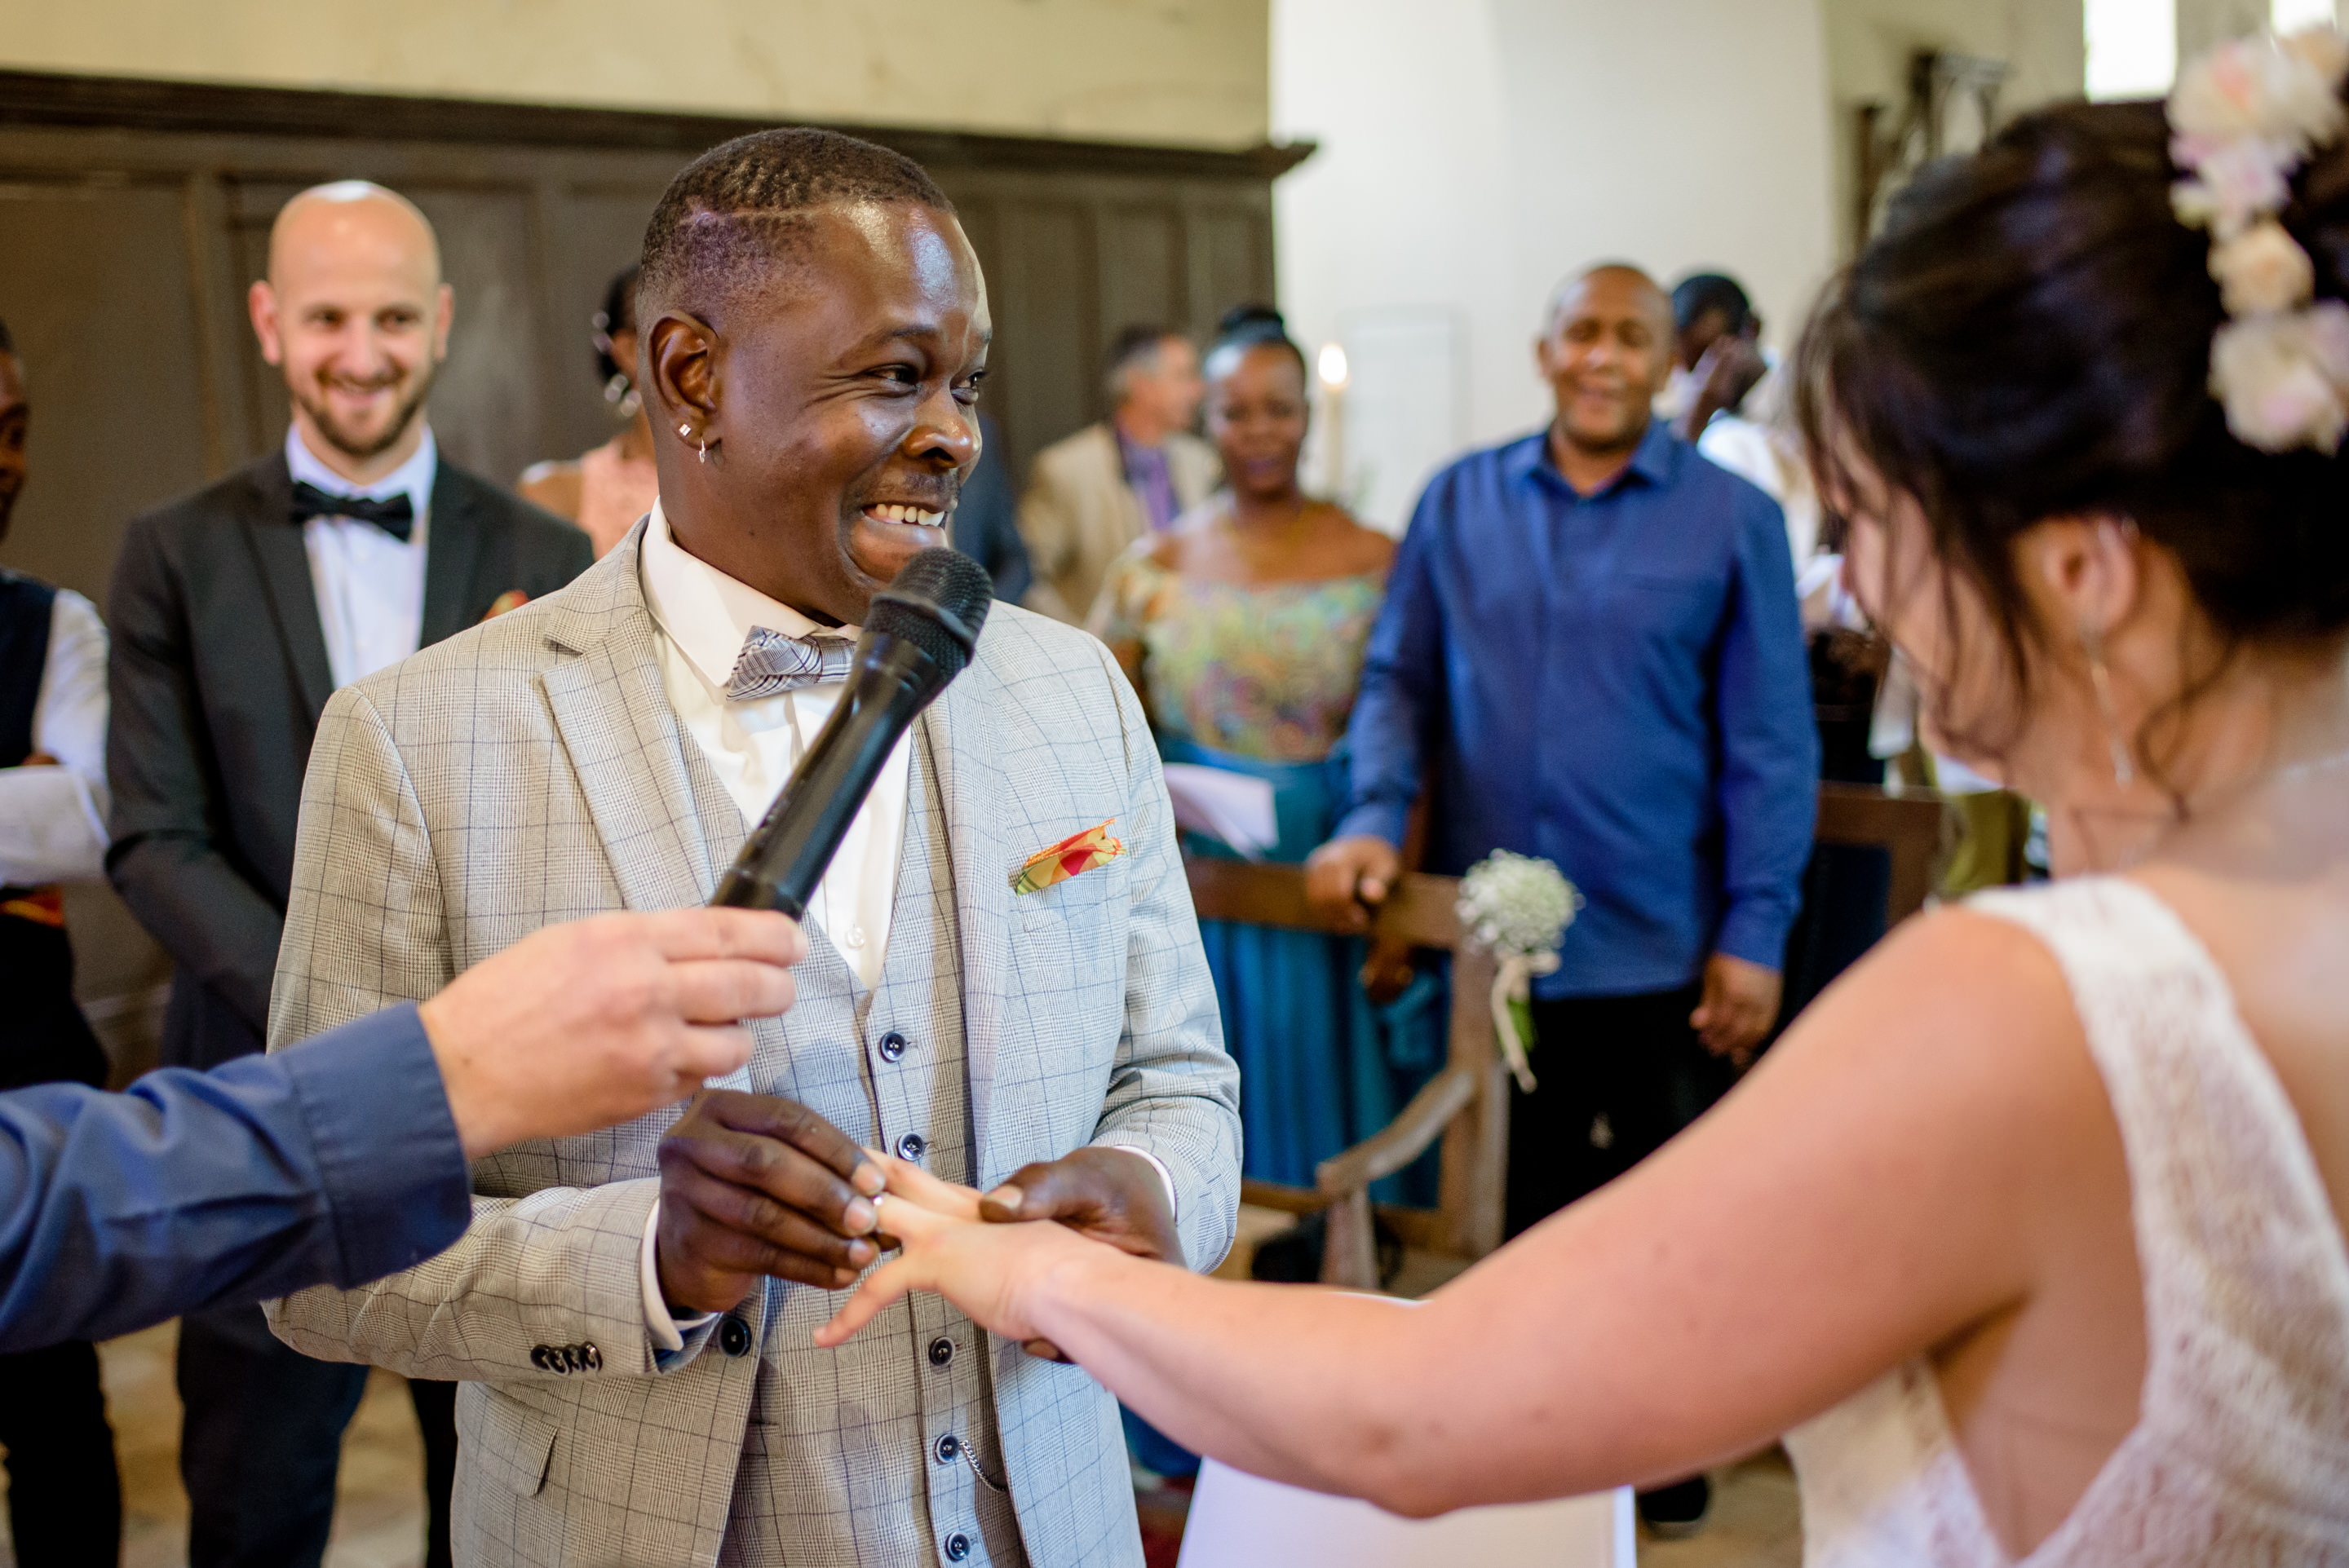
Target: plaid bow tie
<point x="773" y="662"/>
<point x="395" y="514"/>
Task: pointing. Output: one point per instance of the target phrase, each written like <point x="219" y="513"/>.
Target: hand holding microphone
<point x="755" y="1185"/>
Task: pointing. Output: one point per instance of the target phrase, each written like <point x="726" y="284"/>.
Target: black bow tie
<point x="395" y="514"/>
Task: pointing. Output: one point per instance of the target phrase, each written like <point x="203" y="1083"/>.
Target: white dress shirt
<point x="370" y="586"/>
<point x="53" y="820"/>
<point x="703" y="617"/>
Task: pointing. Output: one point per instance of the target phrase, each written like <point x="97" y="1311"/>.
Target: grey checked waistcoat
<point x="865" y="1455"/>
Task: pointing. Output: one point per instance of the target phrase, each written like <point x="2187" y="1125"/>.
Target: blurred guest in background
<point x="1242" y="626"/>
<point x="985" y="523"/>
<point x="65" y="1498"/>
<point x="1589" y="652"/>
<point x="606" y="490"/>
<point x="1095" y="493"/>
<point x="1716" y="352"/>
<point x="237" y="610"/>
<point x="1706" y="308"/>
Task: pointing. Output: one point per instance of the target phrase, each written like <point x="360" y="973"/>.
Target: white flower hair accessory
<point x="2243" y="120"/>
<point x="1516" y="908"/>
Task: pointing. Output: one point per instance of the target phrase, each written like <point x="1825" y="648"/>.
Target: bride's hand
<point x="993" y="1271"/>
<point x="950" y="1198"/>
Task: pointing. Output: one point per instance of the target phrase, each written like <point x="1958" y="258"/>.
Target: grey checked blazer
<point x="531" y="771"/>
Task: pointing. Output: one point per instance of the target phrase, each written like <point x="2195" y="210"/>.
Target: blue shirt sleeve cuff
<point x="1757" y="933"/>
<point x="1376" y="820"/>
<point x="389" y="1155"/>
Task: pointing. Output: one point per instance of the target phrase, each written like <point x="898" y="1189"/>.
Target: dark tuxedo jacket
<point x="217" y="675"/>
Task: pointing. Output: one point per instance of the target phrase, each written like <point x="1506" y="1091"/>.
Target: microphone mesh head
<point x="937" y="602"/>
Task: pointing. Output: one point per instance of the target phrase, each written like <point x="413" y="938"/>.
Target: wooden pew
<point x="1466" y="1104"/>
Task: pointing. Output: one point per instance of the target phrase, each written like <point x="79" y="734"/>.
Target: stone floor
<point x="379" y="1502"/>
<point x="380" y="1519"/>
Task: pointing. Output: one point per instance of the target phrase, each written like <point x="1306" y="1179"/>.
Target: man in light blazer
<point x="632" y="1313"/>
<point x="1092" y="494"/>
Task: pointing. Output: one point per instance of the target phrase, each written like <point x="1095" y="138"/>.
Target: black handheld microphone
<point x="918" y="635"/>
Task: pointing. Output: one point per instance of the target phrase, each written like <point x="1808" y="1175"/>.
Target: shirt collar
<point x="412" y="479"/>
<point x="707" y="614"/>
<point x="1655" y="460"/>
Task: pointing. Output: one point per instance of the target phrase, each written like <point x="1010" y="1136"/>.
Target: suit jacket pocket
<point x="517" y="1443"/>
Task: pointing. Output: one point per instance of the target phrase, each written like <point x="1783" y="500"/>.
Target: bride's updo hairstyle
<point x="2029" y="338"/>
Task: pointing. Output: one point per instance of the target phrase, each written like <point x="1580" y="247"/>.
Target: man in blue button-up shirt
<point x="1590" y="652"/>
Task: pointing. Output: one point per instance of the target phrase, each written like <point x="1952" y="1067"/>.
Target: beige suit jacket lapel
<point x="625" y="744"/>
<point x="968" y="784"/>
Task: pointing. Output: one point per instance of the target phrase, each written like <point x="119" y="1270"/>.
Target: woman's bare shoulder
<point x="1958" y="1032"/>
<point x="1364" y="551"/>
<point x="1953" y="970"/>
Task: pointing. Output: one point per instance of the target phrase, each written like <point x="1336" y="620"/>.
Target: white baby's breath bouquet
<point x="1516" y="908"/>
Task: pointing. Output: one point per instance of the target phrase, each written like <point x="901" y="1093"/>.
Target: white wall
<point x="1185" y="71"/>
<point x="1474" y="151"/>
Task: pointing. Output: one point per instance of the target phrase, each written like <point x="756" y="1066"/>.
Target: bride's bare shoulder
<point x="1963" y="1001"/>
<point x="1959" y="963"/>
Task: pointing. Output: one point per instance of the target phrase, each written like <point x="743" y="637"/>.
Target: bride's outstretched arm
<point x="1903" y="1165"/>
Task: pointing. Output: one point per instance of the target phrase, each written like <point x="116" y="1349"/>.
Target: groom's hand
<point x="754" y="1184"/>
<point x="1113" y="1195"/>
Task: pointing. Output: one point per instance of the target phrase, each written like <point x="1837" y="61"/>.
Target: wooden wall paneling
<point x="593" y="230"/>
<point x="1047" y="329"/>
<point x="1230" y="252"/>
<point x="1142" y="266"/>
<point x="222" y="322"/>
<point x="977" y="212"/>
<point x="96" y="286"/>
<point x="488" y="398"/>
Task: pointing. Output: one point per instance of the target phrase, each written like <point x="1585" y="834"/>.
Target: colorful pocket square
<point x="1073" y="856"/>
<point x="511" y="599"/>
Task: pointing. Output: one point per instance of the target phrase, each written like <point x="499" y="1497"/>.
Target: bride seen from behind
<point x="2027" y="1233"/>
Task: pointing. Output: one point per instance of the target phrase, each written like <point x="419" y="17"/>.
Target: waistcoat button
<point x="949" y="1449"/>
<point x="892" y="1046"/>
<point x="910" y="1146"/>
<point x="941" y="1351"/>
<point x="958" y="1547"/>
<point x="734" y="1336"/>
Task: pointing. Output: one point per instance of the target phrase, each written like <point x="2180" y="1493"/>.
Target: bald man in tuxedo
<point x="237" y="611"/>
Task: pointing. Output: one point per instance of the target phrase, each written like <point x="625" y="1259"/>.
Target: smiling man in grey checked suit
<point x="632" y="1313"/>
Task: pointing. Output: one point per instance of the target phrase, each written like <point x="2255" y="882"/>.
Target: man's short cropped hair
<point x="1698" y="293"/>
<point x="737" y="215"/>
<point x="1135" y="348"/>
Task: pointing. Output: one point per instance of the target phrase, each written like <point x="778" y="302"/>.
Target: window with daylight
<point x="2291" y="15"/>
<point x="2133" y="47"/>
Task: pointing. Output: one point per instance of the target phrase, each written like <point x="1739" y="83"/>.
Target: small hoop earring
<point x="705" y="448"/>
<point x="2124" y="771"/>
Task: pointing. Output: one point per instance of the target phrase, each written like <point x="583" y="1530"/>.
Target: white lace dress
<point x="2240" y="1452"/>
